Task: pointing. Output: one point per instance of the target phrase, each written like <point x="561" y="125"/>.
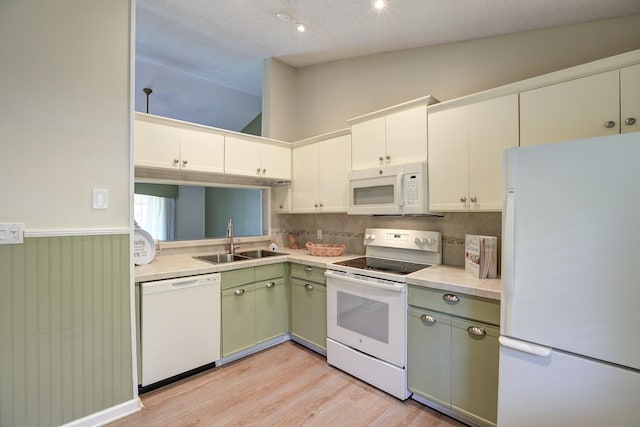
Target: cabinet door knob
<point x="238" y="292"/>
<point x="381" y="158"/>
<point x="428" y="318"/>
<point x="388" y="158"/>
<point x="264" y="171"/>
<point x="308" y="268"/>
<point x="474" y="199"/>
<point x="476" y="330"/>
<point x="630" y="121"/>
<point x="308" y="286"/>
<point x="463" y="199"/>
<point x="315" y="205"/>
<point x="450" y="298"/>
<point x="258" y="171"/>
<point x="175" y="162"/>
<point x="609" y="124"/>
<point x="270" y="284"/>
<point x="320" y="205"/>
<point x="184" y="163"/>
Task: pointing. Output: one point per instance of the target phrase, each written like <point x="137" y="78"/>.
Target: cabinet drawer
<point x="233" y="278"/>
<point x="307" y="272"/>
<point x="269" y="271"/>
<point x="456" y="304"/>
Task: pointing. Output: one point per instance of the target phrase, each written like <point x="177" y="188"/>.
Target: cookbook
<point x="481" y="256"/>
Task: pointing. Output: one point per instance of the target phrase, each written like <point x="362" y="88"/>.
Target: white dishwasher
<point x="180" y="325"/>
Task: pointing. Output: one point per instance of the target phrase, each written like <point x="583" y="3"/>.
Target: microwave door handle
<point x="399" y="196"/>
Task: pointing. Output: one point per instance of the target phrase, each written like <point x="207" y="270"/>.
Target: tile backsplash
<point x="349" y="229"/>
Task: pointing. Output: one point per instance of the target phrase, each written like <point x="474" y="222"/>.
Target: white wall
<point x="64" y="113"/>
<point x="326" y="95"/>
<point x="279" y="100"/>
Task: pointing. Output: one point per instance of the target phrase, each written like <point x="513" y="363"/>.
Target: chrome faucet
<point x="232" y="247"/>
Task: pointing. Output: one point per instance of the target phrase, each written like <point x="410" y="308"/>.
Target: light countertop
<point x="455" y="279"/>
<point x="172" y="266"/>
<point x="444" y="277"/>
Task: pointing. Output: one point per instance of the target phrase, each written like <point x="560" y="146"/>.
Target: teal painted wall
<point x="254" y="127"/>
<point x="238" y="204"/>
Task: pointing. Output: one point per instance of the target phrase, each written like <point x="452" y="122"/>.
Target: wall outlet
<point x="319" y="233"/>
<point x="11" y="234"/>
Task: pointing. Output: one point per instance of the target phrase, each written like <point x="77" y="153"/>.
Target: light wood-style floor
<point x="286" y="385"/>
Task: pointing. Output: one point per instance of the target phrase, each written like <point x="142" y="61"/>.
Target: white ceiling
<point x="203" y="58"/>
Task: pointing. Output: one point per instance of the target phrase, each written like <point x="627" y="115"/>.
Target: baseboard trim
<point x="108" y="415"/>
<point x="249" y="351"/>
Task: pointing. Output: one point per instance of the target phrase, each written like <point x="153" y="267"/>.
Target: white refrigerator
<point x="570" y="326"/>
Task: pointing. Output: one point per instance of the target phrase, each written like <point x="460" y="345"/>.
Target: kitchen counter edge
<point x="443" y="277"/>
<point x="175" y="266"/>
<point x="455" y="279"/>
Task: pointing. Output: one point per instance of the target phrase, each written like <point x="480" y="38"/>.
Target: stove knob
<point x="372" y="237"/>
<point x="367" y="236"/>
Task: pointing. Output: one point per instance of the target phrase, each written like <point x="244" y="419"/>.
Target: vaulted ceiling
<point x="203" y="59"/>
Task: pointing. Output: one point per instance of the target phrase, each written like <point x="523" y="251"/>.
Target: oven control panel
<point x="403" y="239"/>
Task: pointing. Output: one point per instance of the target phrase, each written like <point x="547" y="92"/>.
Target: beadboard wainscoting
<point x="65" y="328"/>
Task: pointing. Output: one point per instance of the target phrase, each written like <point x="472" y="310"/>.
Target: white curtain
<point x="155" y="215"/>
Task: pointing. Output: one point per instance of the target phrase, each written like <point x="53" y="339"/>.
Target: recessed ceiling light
<point x="301" y="27"/>
<point x="379" y="4"/>
<point x="284" y="16"/>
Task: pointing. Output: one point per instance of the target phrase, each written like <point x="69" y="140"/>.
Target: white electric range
<point x="367" y="306"/>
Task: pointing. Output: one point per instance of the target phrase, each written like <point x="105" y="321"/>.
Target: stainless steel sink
<point x="260" y="253"/>
<point x="222" y="258"/>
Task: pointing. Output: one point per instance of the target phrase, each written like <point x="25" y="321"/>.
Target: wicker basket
<point x="323" y="249"/>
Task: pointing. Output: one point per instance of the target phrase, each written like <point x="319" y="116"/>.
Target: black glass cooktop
<point x="384" y="265"/>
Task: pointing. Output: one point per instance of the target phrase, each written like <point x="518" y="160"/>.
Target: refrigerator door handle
<point x="509" y="158"/>
<point x="525" y="347"/>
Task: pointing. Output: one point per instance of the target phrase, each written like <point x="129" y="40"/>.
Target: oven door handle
<point x="390" y="287"/>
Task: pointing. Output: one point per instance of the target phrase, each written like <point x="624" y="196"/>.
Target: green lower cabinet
<point x="254" y="306"/>
<point x="453" y="362"/>
<point x="238" y="318"/>
<point x="272" y="314"/>
<point x="429" y="355"/>
<point x="474" y="369"/>
<point x="309" y="312"/>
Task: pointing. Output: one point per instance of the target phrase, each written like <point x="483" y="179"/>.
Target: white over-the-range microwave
<point x="389" y="190"/>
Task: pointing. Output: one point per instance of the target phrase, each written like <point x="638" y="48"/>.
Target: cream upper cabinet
<point x="320" y="176"/>
<point x="603" y="104"/>
<point x="253" y="158"/>
<point x="465" y="154"/>
<point x="630" y="99"/>
<point x="281" y="199"/>
<point x="581" y="108"/>
<point x="156" y="145"/>
<point x="160" y="145"/>
<point x="201" y="151"/>
<point x="275" y="161"/>
<point x="396" y="138"/>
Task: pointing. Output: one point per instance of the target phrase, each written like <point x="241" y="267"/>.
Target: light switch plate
<point x="11" y="233"/>
<point x="100" y="198"/>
